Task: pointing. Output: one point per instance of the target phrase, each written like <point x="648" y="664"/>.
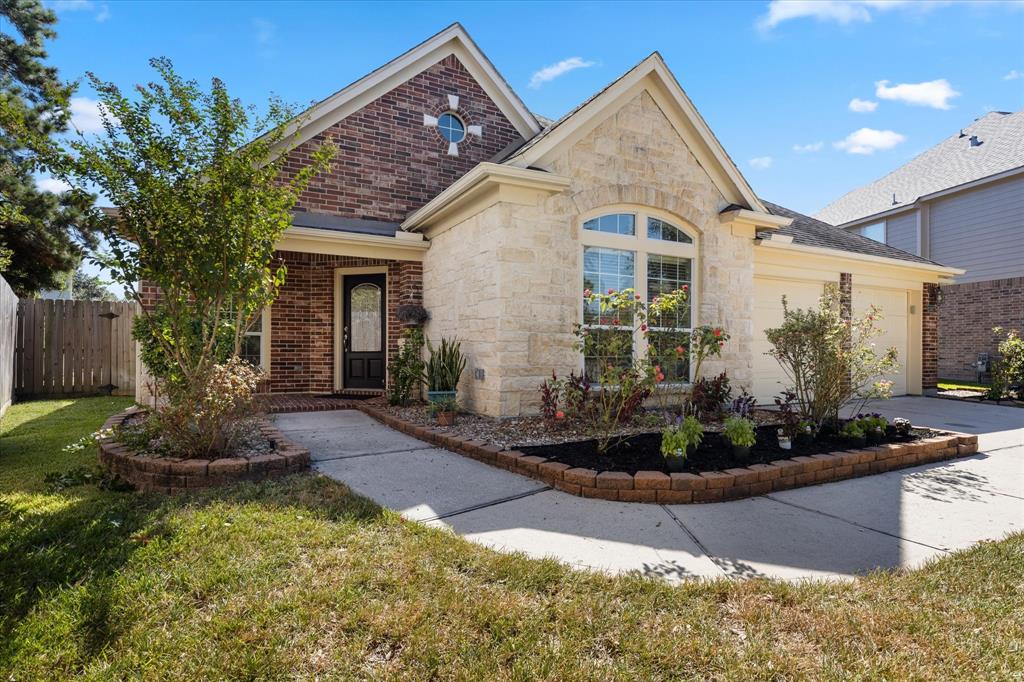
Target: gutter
<point x="837" y="253"/>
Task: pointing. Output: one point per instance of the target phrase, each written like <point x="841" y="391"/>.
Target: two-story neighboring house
<point x="960" y="203"/>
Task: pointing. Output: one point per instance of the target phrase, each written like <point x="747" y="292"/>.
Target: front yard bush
<point x="830" y="361"/>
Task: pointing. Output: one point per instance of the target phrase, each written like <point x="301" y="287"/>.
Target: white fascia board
<point x="850" y="255"/>
<point x="472" y="184"/>
<point x="757" y="219"/>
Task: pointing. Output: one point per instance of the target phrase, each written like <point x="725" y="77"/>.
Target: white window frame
<point x="642" y="246"/>
<point x="264" y="335"/>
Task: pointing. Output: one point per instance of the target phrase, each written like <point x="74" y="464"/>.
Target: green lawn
<point x="957" y="385"/>
<point x="300" y="578"/>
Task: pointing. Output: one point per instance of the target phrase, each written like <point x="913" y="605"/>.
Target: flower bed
<point x="706" y="486"/>
<point x="170" y="475"/>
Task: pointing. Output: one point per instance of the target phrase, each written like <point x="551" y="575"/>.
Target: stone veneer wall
<point x="966" y="316"/>
<point x="509" y="280"/>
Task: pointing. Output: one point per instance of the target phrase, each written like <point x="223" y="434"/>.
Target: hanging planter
<point x="412" y="313"/>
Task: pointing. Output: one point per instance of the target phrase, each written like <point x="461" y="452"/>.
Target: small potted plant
<point x="875" y="426"/>
<point x="785" y="442"/>
<point x="740" y="432"/>
<point x="853" y="431"/>
<point x="444" y="411"/>
<point x="804" y="432"/>
<point x="679" y="440"/>
<point x="902" y="426"/>
<point x="442" y="371"/>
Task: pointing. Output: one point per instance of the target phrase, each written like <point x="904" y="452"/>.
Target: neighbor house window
<point x="874" y="231"/>
<point x="652" y="261"/>
<point x="255" y="347"/>
<point x="451" y="127"/>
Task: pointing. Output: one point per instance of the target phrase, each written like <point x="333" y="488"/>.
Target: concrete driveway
<point x="835" y="530"/>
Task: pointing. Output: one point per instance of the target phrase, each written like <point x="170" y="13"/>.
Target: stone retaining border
<point x="169" y="475"/>
<point x="709" y="486"/>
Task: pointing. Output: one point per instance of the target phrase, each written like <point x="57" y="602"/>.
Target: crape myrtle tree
<point x="42" y="234"/>
<point x="201" y="199"/>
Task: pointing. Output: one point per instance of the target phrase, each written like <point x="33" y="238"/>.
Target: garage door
<point x="769" y="379"/>
<point x="892" y="303"/>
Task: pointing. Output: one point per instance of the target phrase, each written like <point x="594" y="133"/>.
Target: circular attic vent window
<point x="451" y="127"/>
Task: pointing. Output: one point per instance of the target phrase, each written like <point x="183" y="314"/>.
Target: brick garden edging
<point x="171" y="476"/>
<point x="708" y="486"/>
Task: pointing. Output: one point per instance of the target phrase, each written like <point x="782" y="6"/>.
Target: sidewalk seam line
<point x="696" y="540"/>
<point x="484" y="505"/>
<point x="371" y="454"/>
<point x="855" y="524"/>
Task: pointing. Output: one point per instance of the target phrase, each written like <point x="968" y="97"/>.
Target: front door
<point x="363" y="334"/>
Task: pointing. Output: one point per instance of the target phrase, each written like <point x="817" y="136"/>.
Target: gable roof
<point x="690" y="125"/>
<point x="808" y="231"/>
<point x="451" y="40"/>
<point x="951" y="163"/>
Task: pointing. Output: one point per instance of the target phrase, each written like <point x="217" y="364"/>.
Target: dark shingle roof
<point x="951" y="163"/>
<point x="808" y="231"/>
<point x="325" y="221"/>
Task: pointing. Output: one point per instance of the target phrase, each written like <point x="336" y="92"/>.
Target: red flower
<point x="611" y="291"/>
<point x="718" y="332"/>
<point x="638" y="297"/>
<point x="686" y="287"/>
<point x="615" y="322"/>
<point x="586" y="293"/>
<point x="721" y="344"/>
<point x="643" y="327"/>
<point x="660" y="377"/>
<point x="680" y="350"/>
<point x="559" y="415"/>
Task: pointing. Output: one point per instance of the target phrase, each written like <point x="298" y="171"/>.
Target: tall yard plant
<point x="202" y="195"/>
<point x="405" y="371"/>
<point x="444" y="366"/>
<point x="831" y="362"/>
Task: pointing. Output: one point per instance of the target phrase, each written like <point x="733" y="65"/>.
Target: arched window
<point x="651" y="261"/>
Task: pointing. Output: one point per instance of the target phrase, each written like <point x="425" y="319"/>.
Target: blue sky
<point x="776" y="81"/>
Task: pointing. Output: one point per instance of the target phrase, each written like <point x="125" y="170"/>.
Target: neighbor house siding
<point x="980" y="230"/>
<point x="901" y="232"/>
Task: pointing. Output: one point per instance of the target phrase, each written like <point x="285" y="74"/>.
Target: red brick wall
<point x="929" y="335"/>
<point x="302" y="317"/>
<point x="966" y="317"/>
<point x="388" y="163"/>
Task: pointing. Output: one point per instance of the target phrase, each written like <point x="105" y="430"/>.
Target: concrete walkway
<point x="900" y="518"/>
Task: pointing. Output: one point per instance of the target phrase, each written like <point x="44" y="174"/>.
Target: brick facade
<point x="302" y="318"/>
<point x="965" y="320"/>
<point x="929" y="336"/>
<point x="388" y="163"/>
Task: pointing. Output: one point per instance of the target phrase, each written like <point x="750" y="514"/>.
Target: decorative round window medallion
<point x="451" y="127"/>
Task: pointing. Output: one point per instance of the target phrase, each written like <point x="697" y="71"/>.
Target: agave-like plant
<point x="445" y="365"/>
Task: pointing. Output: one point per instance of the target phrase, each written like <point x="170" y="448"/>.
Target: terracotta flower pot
<point x="445" y="418"/>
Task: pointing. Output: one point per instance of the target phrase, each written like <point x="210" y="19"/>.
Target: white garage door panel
<point x="769" y="379"/>
<point x="892" y="304"/>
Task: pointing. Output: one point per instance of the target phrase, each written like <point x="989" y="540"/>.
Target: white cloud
<point x="869" y="140"/>
<point x="52" y="185"/>
<point x="85" y="115"/>
<point x="553" y="71"/>
<point x="935" y="94"/>
<point x="839" y="11"/>
<point x="808" y="148"/>
<point x="862" y="105"/>
<point x="265" y="31"/>
<point x="1013" y="75"/>
<point x="102" y="10"/>
<point x="761" y="162"/>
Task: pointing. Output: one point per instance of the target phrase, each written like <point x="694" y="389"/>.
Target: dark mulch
<point x="643" y="452"/>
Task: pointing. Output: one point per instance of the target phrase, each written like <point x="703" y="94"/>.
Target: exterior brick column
<point x="846" y="306"/>
<point x="930" y="336"/>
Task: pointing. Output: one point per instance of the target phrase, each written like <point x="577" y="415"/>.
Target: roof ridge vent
<point x="975" y="142"/>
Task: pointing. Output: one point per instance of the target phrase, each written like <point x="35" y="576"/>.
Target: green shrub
<point x="740" y="432"/>
<point x="405" y="371"/>
<point x="685" y="433"/>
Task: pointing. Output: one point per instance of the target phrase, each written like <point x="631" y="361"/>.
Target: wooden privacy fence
<point x="73" y="348"/>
